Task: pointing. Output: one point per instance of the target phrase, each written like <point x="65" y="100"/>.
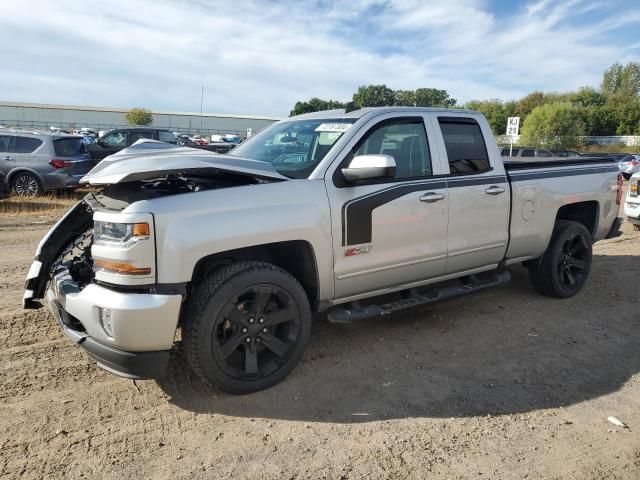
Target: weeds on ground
<point x="51" y="204"/>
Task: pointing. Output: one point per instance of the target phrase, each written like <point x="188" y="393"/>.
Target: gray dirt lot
<point x="505" y="384"/>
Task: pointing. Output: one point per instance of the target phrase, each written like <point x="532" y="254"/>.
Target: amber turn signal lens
<point x="140" y="230"/>
<point x="123" y="268"/>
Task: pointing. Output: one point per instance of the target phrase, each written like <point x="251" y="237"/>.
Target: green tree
<point x="622" y="80"/>
<point x="587" y="97"/>
<point x="494" y="111"/>
<point x="528" y="103"/>
<point x="405" y="98"/>
<point x="139" y="116"/>
<point x="433" y="97"/>
<point x="553" y="126"/>
<point x="374" y="96"/>
<point x="315" y="105"/>
<point x="599" y="120"/>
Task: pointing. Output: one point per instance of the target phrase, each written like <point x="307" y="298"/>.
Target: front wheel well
<point x="585" y="213"/>
<point x="295" y="257"/>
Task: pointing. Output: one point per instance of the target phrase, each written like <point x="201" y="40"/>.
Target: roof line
<point x="125" y="110"/>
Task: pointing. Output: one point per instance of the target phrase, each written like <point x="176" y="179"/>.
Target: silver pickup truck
<point x="353" y="213"/>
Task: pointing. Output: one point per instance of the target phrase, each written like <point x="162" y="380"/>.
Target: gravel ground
<point x="504" y="384"/>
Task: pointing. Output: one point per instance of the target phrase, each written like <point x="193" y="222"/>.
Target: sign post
<point x="513" y="127"/>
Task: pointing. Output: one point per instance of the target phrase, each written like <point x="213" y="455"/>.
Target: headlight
<point x="123" y="250"/>
<point x="119" y="234"/>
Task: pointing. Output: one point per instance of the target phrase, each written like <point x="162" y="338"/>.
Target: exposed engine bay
<point x="67" y="247"/>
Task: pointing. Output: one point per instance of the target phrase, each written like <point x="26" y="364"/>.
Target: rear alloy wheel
<point x="26" y="185"/>
<point x="563" y="269"/>
<point x="246" y="327"/>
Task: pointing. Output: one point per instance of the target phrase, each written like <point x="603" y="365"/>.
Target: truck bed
<point x="541" y="189"/>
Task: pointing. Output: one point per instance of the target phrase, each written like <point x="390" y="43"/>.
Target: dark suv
<point x="116" y="140"/>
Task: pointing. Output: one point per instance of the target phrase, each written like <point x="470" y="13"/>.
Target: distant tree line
<point x="380" y="96"/>
<point x="553" y="120"/>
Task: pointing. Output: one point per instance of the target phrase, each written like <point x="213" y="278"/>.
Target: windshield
<point x="294" y="148"/>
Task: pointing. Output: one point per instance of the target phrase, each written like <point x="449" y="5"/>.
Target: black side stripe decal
<point x="522" y="176"/>
<point x="357" y="213"/>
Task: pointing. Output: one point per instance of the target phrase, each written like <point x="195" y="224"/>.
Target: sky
<point x="260" y="57"/>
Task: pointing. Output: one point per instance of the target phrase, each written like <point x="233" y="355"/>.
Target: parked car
<point x="116" y="140"/>
<point x="527" y="152"/>
<point x="632" y="202"/>
<point x="240" y="250"/>
<point x="566" y="153"/>
<point x="629" y="164"/>
<point x="35" y="162"/>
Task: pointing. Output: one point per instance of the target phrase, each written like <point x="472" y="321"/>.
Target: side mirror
<point x="369" y="167"/>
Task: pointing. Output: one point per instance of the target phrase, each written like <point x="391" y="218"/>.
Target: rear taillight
<point x="635" y="162"/>
<point x="57" y="163"/>
<point x="619" y="191"/>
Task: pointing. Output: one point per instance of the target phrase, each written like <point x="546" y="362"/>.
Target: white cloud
<point x="260" y="57"/>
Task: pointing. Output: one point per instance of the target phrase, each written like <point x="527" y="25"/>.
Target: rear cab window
<point x="464" y="142"/>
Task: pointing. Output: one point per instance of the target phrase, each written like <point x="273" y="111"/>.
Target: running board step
<point x="354" y="311"/>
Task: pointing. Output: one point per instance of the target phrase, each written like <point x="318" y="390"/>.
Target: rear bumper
<point x="60" y="181"/>
<point x="615" y="228"/>
<point x="135" y="365"/>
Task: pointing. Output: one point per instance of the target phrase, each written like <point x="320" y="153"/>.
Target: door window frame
<point x="342" y="160"/>
<point x="468" y="120"/>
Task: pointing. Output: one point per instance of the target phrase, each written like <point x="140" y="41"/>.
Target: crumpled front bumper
<point x="142" y="326"/>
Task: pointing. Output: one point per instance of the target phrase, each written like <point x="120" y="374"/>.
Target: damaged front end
<point x="67" y="244"/>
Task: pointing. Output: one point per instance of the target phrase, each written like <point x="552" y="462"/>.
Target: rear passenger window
<point x="465" y="145"/>
<point x="26" y="144"/>
<point x="528" y="152"/>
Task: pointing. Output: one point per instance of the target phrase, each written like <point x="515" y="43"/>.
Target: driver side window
<point x="403" y="139"/>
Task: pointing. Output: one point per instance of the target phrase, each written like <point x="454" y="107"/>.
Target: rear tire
<point x="246" y="327"/>
<point x="564" y="267"/>
<point x="25" y="184"/>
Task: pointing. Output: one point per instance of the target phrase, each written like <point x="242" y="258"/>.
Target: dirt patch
<point x="505" y="384"/>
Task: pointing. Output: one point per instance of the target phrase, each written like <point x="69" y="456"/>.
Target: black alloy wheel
<point x="564" y="267"/>
<point x="256" y="332"/>
<point x="573" y="260"/>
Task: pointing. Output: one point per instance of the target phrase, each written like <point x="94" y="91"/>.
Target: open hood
<point x="148" y="159"/>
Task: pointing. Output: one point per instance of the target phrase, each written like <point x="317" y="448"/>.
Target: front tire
<point x="246" y="327"/>
<point x="564" y="267"/>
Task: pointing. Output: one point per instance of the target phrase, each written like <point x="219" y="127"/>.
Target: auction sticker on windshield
<point x="333" y="127"/>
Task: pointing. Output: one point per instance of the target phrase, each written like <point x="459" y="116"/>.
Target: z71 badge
<point x="353" y="251"/>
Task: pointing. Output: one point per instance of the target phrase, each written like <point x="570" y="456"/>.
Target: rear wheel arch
<point x="585" y="213"/>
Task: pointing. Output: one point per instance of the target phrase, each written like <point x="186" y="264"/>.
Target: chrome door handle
<point x="431" y="197"/>
<point x="494" y="190"/>
<point x="7" y="158"/>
